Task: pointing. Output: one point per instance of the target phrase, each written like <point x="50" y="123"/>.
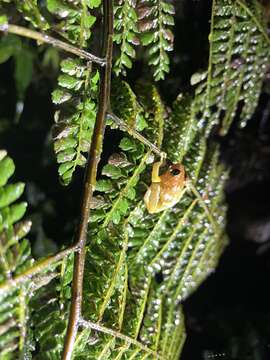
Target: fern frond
<point x="126" y="106"/>
<point x="78" y="87"/>
<point x="145" y="113"/>
<point x="182" y="124"/>
<point x="136" y="260"/>
<point x="148" y="264"/>
<point x="154" y="110"/>
<point x="76" y="98"/>
<point x="125" y="26"/>
<point x="155" y="20"/>
<point x="15" y="256"/>
<point x="239" y="52"/>
<point x="76" y="19"/>
<point x="49" y="307"/>
<point x="31" y="12"/>
<point x="27" y="287"/>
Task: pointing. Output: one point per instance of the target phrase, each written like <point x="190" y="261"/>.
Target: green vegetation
<point x="130" y="271"/>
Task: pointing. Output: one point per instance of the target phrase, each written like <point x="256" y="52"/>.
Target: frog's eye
<point x="175" y="172"/>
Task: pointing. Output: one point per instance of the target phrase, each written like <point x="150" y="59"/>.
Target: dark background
<point x="227" y="318"/>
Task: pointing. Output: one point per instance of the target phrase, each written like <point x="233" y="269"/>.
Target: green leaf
<point x="123" y="206"/>
<point x="125" y="60"/>
<point x="60" y="96"/>
<point x="64" y="144"/>
<point x="93" y="3"/>
<point x="77" y="107"/>
<point x="23" y="71"/>
<point x="127" y="144"/>
<point x="9" y="45"/>
<point x="13" y="214"/>
<point x="147" y="38"/>
<point x="3" y="20"/>
<point x="10" y="193"/>
<point x="7" y="168"/>
<point x="104" y="185"/>
<point x="63" y="168"/>
<point x="66" y="155"/>
<point x="131" y="193"/>
<point x="116" y="217"/>
<point x="112" y="171"/>
<point x="69" y="82"/>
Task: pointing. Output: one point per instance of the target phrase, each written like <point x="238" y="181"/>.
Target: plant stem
<point x="22" y="31"/>
<point x="117" y="334"/>
<point x="90" y="180"/>
<point x="253" y="16"/>
<point x="38" y="267"/>
<point x="122" y="125"/>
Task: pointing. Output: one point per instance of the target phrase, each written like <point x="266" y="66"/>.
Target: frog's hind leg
<point x="152" y="197"/>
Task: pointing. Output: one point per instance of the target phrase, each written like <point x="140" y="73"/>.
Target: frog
<point x="165" y="190"/>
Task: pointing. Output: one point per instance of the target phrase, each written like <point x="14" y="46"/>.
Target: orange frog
<point x="165" y="190"/>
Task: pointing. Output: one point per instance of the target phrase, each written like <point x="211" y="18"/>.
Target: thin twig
<point x="122" y="125"/>
<point x="22" y="31"/>
<point x="38" y="267"/>
<point x="119" y="335"/>
<point x="90" y="181"/>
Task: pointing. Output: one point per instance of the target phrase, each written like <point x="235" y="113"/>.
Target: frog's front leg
<point x="155" y="172"/>
<point x="152" y="195"/>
